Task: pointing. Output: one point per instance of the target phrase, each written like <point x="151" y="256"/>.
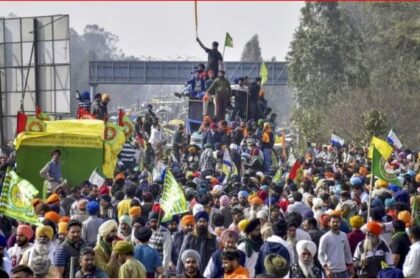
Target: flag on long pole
<point x="173" y="200"/>
<point x="379" y="169"/>
<point x="228" y="40"/>
<point x="16" y="199"/>
<point x="228" y="167"/>
<point x="263" y="73"/>
<point x="196" y="17"/>
<point x="393" y="139"/>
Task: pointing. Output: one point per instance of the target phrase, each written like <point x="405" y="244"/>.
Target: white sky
<point x="167" y="29"/>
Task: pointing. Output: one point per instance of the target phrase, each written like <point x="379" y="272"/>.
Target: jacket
<point x="270" y="248"/>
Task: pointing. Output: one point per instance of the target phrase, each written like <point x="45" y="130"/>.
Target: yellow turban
<point x="123" y="248"/>
<point x="52" y="199"/>
<point x="243" y="224"/>
<point x="62" y="228"/>
<point x="405" y="216"/>
<point x="357" y="221"/>
<point x="44" y="230"/>
<point x="381" y="184"/>
<point x="135" y="211"/>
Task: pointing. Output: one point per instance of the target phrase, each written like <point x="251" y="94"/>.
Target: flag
<point x="228" y="40"/>
<point x="379" y="169"/>
<point x="84" y="114"/>
<point x="96" y="179"/>
<point x="336" y="140"/>
<point x="21" y="122"/>
<point x="393" y="139"/>
<point x="39" y="114"/>
<point x="263" y="73"/>
<point x="228" y="167"/>
<point x="295" y="168"/>
<point x="283" y="143"/>
<point x="382" y="146"/>
<point x="173" y="200"/>
<point x="16" y="199"/>
<point x="34" y="124"/>
<point x="277" y="176"/>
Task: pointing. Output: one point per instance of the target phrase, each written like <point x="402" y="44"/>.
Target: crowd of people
<point x="330" y="219"/>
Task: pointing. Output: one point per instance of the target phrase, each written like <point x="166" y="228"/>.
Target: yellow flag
<point x="263" y="73"/>
<point x="382" y="146"/>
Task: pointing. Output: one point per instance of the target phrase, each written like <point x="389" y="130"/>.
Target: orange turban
<point x="120" y="176"/>
<point x="135" y="211"/>
<point x="255" y="200"/>
<point x="405" y="216"/>
<point x="62" y="228"/>
<point x="374" y="228"/>
<point x="53" y="199"/>
<point x="36" y="201"/>
<point x="52" y="216"/>
<point x="187" y="220"/>
<point x="418" y="178"/>
<point x="64" y="219"/>
<point x="363" y="171"/>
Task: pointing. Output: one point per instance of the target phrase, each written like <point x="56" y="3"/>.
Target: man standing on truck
<point x="214" y="56"/>
<point x="221" y="89"/>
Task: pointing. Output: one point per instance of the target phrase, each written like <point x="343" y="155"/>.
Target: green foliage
<point x="252" y="50"/>
<point x="375" y="123"/>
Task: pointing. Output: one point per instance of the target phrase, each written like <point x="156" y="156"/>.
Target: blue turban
<point x="201" y="215"/>
<point x="92" y="207"/>
<point x="308" y="213"/>
<point x="394" y="188"/>
<point x="376" y="203"/>
<point x="390" y="202"/>
<point x="402" y="196"/>
<point x="243" y="194"/>
<point x="355" y="180"/>
<point x="390" y="273"/>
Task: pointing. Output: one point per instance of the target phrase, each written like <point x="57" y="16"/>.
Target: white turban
<point x="190" y="253"/>
<point x="107" y="227"/>
<point x="303" y="245"/>
<point x="197" y="208"/>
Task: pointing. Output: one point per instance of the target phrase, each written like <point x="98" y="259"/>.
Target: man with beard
<point x="173" y="225"/>
<point x="104" y="257"/>
<point x="232" y="267"/>
<point x="124" y="229"/>
<point x="24" y="233"/>
<point x="371" y="252"/>
<point x="130" y="267"/>
<point x="147" y="255"/>
<point x="187" y="223"/>
<point x="43" y="249"/>
<point x="70" y="248"/>
<point x="251" y="245"/>
<point x="88" y="268"/>
<point x="191" y="262"/>
<point x="161" y="239"/>
<point x="214" y="268"/>
<point x="200" y="240"/>
<point x="334" y="252"/>
<point x="5" y="264"/>
<point x="305" y="266"/>
<point x="243" y="200"/>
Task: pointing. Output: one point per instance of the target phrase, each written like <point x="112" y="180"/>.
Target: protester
<point x="130" y="267"/>
<point x="88" y="268"/>
<point x="191" y="262"/>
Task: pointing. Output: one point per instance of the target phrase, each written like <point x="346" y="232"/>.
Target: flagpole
<point x="371" y="183"/>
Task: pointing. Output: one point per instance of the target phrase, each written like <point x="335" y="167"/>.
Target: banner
<point x="33" y="124"/>
<point x="277" y="176"/>
<point x="96" y="179"/>
<point x="380" y="171"/>
<point x="173" y="200"/>
<point x="382" y="146"/>
<point x="263" y="73"/>
<point x="16" y="199"/>
<point x="228" y="167"/>
<point x="228" y="40"/>
<point x="114" y="141"/>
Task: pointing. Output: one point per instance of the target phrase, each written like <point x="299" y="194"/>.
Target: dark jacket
<point x="210" y="138"/>
<point x="183" y="275"/>
<point x="270" y="248"/>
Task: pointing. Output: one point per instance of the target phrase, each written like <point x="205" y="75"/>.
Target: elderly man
<point x="124" y="229"/>
<point x="191" y="262"/>
<point x="334" y="252"/>
<point x="214" y="268"/>
<point x="200" y="240"/>
<point x="24" y="233"/>
<point x="130" y="267"/>
<point x="41" y="252"/>
<point x="104" y="257"/>
<point x="371" y="252"/>
<point x="305" y="267"/>
<point x="88" y="268"/>
<point x="187" y="223"/>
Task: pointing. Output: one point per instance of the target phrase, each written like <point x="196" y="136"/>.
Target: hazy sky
<point x="167" y="29"/>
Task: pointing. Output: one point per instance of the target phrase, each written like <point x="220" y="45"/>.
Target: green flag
<point x="228" y="40"/>
<point x="173" y="200"/>
<point x="379" y="170"/>
<point x="16" y="199"/>
<point x="263" y="73"/>
<point x="277" y="176"/>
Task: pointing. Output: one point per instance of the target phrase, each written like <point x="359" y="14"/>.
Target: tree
<point x="252" y="50"/>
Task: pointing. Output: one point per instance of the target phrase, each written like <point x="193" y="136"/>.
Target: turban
<point x="103" y="190"/>
<point x="139" y="220"/>
<point x="153" y="215"/>
<point x="92" y="207"/>
<point x="191" y="150"/>
<point x="52" y="216"/>
<point x="36" y="201"/>
<point x="381" y="184"/>
<point x="62" y="228"/>
<point x="26" y="231"/>
<point x="201" y="215"/>
<point x="418" y="178"/>
<point x="376" y="202"/>
<point x="402" y="196"/>
<point x="253" y="224"/>
<point x="276" y="265"/>
<point x="229" y="234"/>
<point x="303" y="245"/>
<point x="262" y="214"/>
<point x="44" y="230"/>
<point x="143" y="234"/>
<point x="107" y="227"/>
<point x="324" y="220"/>
<point x="390" y="202"/>
<point x="224" y="200"/>
<point x="135" y="211"/>
<point x="390" y="272"/>
<point x="243" y="194"/>
<point x="120" y="176"/>
<point x="267" y="231"/>
<point x="125" y="219"/>
<point x="374" y="228"/>
<point x="3" y="241"/>
<point x="363" y="171"/>
<point x="394" y="188"/>
<point x="308" y="213"/>
<point x="356" y="181"/>
<point x="190" y="253"/>
<point x="187" y="220"/>
<point x="357" y="221"/>
<point x="123" y="248"/>
<point x="243" y="224"/>
<point x="53" y="199"/>
<point x="335" y="213"/>
<point x="255" y="200"/>
<point x="64" y="219"/>
<point x="405" y="216"/>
